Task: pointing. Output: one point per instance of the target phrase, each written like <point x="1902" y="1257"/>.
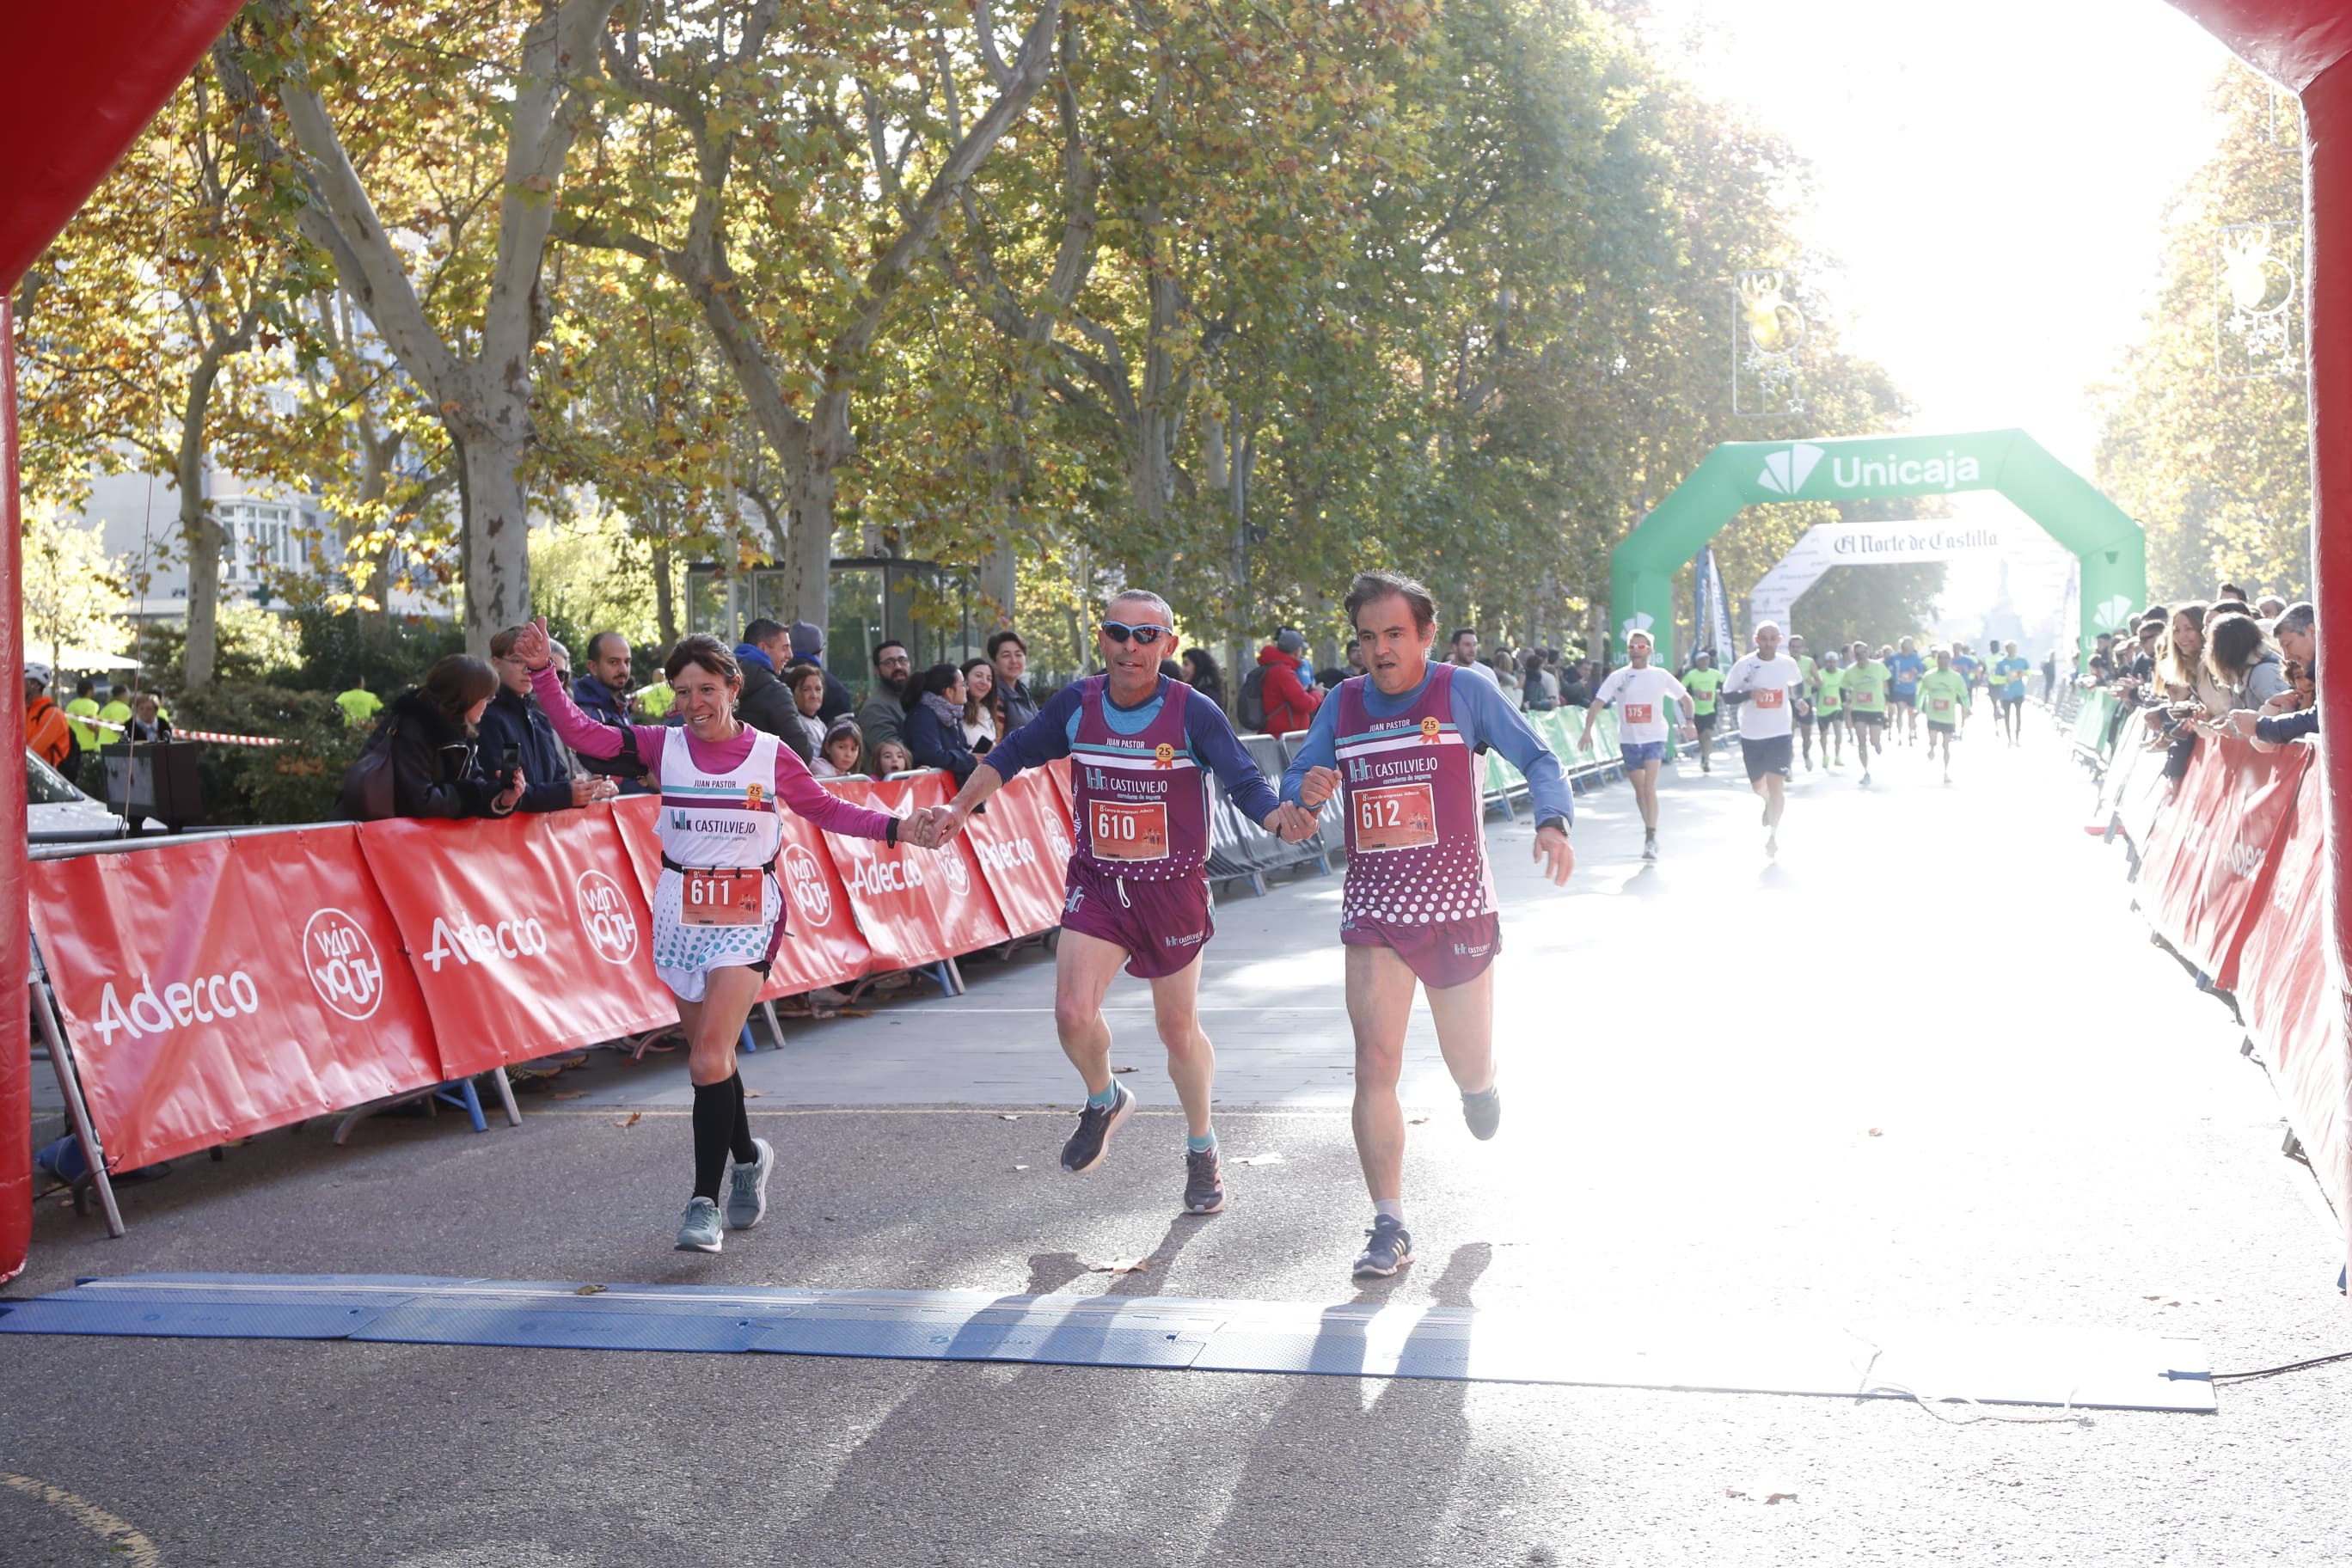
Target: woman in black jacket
<point x="934" y="731"/>
<point x="436" y="770"/>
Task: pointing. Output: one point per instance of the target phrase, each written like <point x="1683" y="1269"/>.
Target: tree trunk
<point x="199" y="531"/>
<point x="809" y="541"/>
<point x="494" y="549"/>
<point x="665" y="591"/>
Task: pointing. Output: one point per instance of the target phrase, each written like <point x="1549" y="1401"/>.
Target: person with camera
<point x="424" y="759"/>
<point x="514" y="733"/>
<point x="718" y="909"/>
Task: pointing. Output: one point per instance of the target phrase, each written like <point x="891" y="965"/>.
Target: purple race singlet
<point x="1142" y="803"/>
<point x="1416" y="844"/>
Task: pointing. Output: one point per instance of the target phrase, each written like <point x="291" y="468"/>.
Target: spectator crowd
<point x="2229" y="664"/>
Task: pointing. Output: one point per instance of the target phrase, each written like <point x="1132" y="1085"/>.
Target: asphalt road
<point x="1928" y="1067"/>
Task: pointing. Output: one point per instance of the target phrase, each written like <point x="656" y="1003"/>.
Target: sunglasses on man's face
<point x="1142" y="637"/>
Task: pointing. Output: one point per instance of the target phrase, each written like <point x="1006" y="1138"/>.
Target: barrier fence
<point x="2231" y="873"/>
<point x="208" y="989"/>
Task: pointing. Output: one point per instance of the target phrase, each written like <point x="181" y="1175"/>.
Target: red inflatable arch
<point x="90" y="76"/>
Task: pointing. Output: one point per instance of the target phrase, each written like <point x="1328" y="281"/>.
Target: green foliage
<point x="2216" y="468"/>
<point x="297" y="781"/>
<point x="1879" y="605"/>
<point x="256" y="645"/>
<point x="341" y="649"/>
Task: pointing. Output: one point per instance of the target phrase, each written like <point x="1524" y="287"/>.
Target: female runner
<point x="719" y="910"/>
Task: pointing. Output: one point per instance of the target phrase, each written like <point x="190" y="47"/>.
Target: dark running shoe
<point x="1091" y="1141"/>
<point x="1483" y="1113"/>
<point x="1389" y="1250"/>
<point x="1204" y="1182"/>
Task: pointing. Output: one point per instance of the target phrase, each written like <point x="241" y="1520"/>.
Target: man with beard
<point x="883" y="715"/>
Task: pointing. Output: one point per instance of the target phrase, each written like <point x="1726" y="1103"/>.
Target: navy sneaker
<point x="1389" y="1250"/>
<point x="1204" y="1182"/>
<point x="1483" y="1113"/>
<point x="1091" y="1141"/>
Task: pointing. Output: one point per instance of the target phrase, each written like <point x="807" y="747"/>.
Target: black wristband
<point x="1559" y="822"/>
<point x="890" y="834"/>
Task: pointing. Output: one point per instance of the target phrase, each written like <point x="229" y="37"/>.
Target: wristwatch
<point x="890" y="834"/>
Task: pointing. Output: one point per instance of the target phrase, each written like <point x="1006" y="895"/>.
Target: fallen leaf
<point x="1268" y="1158"/>
<point x="1733" y="1491"/>
<point x="857" y="1012"/>
<point x="1782" y="1497"/>
<point x="1122" y="1070"/>
<point x="1875" y="1133"/>
<point x="630" y="1120"/>
<point x="1415" y="1122"/>
<point x="1120" y="1266"/>
<point x="1003" y="1117"/>
<point x="589" y="1291"/>
<point x="567" y="1094"/>
<point x="750" y="1094"/>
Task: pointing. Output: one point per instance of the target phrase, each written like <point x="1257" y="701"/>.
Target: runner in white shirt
<point x="1641" y="691"/>
<point x="1765" y="686"/>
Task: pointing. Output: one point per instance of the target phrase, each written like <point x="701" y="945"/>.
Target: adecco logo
<point x="1785" y="473"/>
<point x="606" y="916"/>
<point x="874" y="876"/>
<point x="198" y="1001"/>
<point x="341" y="961"/>
<point x="805" y="879"/>
<point x="1004" y="856"/>
<point x="470" y="943"/>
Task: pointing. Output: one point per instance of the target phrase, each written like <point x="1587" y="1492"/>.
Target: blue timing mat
<point x="2105" y="1369"/>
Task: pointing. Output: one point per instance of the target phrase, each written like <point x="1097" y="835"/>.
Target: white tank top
<point x="710" y="821"/>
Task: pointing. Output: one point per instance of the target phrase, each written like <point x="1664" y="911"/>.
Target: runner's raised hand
<point x="532" y="647"/>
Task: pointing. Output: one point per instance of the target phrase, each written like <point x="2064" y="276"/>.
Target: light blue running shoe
<point x="699" y="1231"/>
<point x="747" y="1188"/>
<point x="1389" y="1250"/>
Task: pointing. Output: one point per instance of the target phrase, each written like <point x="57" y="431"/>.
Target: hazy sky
<point x="1992" y="178"/>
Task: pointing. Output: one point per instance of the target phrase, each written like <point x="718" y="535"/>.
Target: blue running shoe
<point x="1091" y="1141"/>
<point x="1389" y="1250"/>
<point x="1204" y="1182"/>
<point x="747" y="1188"/>
<point x="699" y="1231"/>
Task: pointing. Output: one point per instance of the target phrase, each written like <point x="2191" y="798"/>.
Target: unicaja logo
<point x="1785" y="473"/>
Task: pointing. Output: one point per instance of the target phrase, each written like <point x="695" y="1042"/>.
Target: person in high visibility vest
<point x="359" y="704"/>
<point x="88" y="738"/>
<point x="1944" y="699"/>
<point x="718" y="909"/>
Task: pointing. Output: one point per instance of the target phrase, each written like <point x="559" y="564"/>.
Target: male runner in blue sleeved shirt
<point x="1209" y="740"/>
<point x="1482" y="714"/>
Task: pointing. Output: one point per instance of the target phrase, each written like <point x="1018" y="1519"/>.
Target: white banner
<point x="1829" y="544"/>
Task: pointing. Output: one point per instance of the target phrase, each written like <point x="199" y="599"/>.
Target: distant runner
<point x="1966" y="665"/>
<point x="1829" y="708"/>
<point x="2009" y="693"/>
<point x="1865" y="705"/>
<point x="1141" y="748"/>
<point x="1703" y="680"/>
<point x="1944" y="697"/>
<point x="1902" y="673"/>
<point x="1641" y="692"/>
<point x="1804" y="710"/>
<point x="1766" y="686"/>
<point x="1417" y="906"/>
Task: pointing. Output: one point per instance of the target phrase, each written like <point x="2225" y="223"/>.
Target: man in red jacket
<point x="1290" y="702"/>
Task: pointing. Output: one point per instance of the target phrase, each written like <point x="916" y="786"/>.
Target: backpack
<point x="1252" y="702"/>
<point x="368" y="795"/>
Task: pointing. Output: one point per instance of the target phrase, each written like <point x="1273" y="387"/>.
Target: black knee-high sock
<point x="715" y="1107"/>
<point x="745" y="1153"/>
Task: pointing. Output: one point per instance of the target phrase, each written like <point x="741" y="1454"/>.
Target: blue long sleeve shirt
<point x="1483" y="716"/>
<point x="1209" y="740"/>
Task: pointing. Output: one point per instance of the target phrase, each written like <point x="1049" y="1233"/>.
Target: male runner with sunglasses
<point x="1418" y="904"/>
<point x="1141" y="748"/>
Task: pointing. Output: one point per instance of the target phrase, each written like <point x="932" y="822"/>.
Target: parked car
<point x="58" y="812"/>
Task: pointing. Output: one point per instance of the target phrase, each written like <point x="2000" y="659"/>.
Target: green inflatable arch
<point x="1737" y="474"/>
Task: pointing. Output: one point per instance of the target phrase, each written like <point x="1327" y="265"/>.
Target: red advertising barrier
<point x="914" y="906"/>
<point x="219" y="988"/>
<point x="2212" y="857"/>
<point x="1022" y="844"/>
<point x="821" y="945"/>
<point x="2291" y="1005"/>
<point x="527" y="935"/>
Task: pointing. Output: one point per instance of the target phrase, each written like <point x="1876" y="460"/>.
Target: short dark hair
<point x="762" y="630"/>
<point x="2231" y="591"/>
<point x="701" y="649"/>
<point x="120" y="692"/>
<point x="998" y="639"/>
<point x="1459" y="632"/>
<point x="1373" y="585"/>
<point x="84" y="687"/>
<point x="883" y="647"/>
<point x="455" y="684"/>
<point x="938" y="677"/>
<point x="596" y="642"/>
<point x="797" y="674"/>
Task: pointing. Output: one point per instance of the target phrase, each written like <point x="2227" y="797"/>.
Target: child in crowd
<point x="892" y="757"/>
<point x="843" y="751"/>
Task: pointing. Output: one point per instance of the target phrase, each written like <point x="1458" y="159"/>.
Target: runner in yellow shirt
<point x="1944" y="699"/>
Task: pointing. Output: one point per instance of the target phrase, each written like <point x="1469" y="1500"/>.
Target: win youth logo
<point x="342" y="963"/>
<point x="1785" y="473"/>
<point x="805" y="879"/>
<point x="606" y="916"/>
